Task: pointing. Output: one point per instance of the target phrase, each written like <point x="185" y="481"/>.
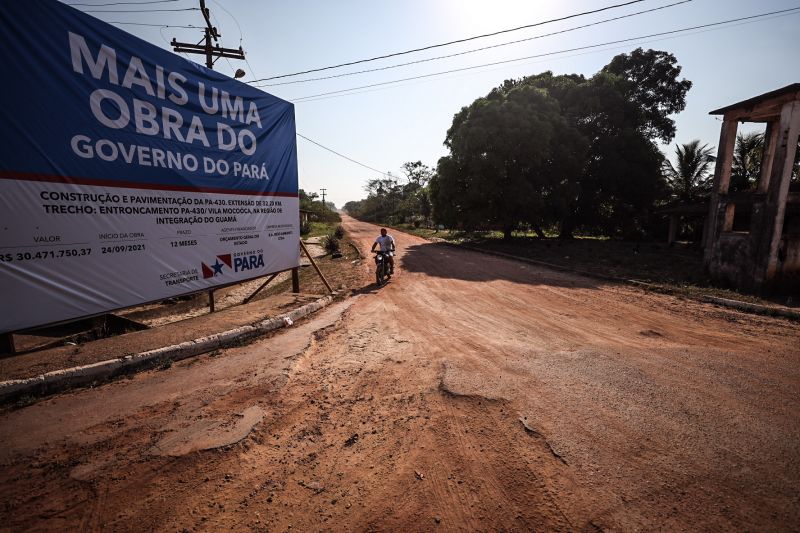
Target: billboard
<point x="129" y="174"/>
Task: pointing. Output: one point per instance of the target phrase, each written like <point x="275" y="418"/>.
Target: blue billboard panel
<point x="129" y="174"/>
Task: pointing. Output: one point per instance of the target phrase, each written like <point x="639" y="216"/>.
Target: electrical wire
<point x="671" y="32"/>
<point x="219" y="4"/>
<point x="472" y="51"/>
<point x="125" y="3"/>
<point x="169" y="44"/>
<point x="578" y="54"/>
<point x="140" y="10"/>
<point x="228" y="61"/>
<point x="341" y="155"/>
<point x="241" y="36"/>
<point x="394" y="54"/>
<point x="152" y="25"/>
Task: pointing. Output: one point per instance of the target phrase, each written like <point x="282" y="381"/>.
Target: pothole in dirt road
<point x="456" y="382"/>
<point x="209" y="434"/>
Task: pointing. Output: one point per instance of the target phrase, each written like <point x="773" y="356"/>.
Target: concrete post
<point x="775" y="206"/>
<point x="673" y="228"/>
<point x="770" y="140"/>
<point x="704" y="235"/>
<point x="722" y="180"/>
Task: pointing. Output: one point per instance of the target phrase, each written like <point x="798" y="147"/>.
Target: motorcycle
<point x="382" y="267"/>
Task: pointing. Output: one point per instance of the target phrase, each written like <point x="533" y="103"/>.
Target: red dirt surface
<point x="470" y="393"/>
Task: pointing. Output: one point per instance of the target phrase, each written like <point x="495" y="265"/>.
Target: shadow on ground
<point x="447" y="261"/>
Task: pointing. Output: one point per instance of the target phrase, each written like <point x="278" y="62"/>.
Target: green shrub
<point x="305" y="228"/>
<point x="331" y="243"/>
<point x="339" y="232"/>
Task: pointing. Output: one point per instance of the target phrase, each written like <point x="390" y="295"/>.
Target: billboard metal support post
<point x="275" y="275"/>
<point x="295" y="280"/>
<point x="314" y="264"/>
<point x="211" y="301"/>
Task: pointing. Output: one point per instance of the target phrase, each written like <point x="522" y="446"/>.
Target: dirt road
<point x="471" y="393"/>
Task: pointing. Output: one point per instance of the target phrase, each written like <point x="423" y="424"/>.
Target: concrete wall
<point x="789" y="261"/>
<point x="732" y="259"/>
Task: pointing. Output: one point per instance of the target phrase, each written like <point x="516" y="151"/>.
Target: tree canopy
<point x="689" y="180"/>
<point x="563" y="151"/>
<point x="510" y="152"/>
<point x="746" y="165"/>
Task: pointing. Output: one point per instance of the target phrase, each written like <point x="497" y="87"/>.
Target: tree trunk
<point x="507" y="233"/>
<point x="538" y="229"/>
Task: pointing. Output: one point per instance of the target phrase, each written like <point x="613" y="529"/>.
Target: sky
<point x="387" y="125"/>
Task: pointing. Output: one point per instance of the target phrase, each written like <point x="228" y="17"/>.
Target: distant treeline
<point x="318" y="212"/>
<point x="392" y="201"/>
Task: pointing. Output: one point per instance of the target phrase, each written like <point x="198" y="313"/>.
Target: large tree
<point x="606" y="176"/>
<point x="510" y="152"/>
<point x="621" y="179"/>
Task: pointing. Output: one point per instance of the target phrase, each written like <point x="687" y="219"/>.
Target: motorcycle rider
<point x="386" y="242"/>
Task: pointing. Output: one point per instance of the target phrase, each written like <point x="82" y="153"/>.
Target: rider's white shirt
<point x="385" y="242"/>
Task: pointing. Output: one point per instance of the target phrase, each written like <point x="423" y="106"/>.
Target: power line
<point x="478" y="49"/>
<point x="140" y="10"/>
<point x="341" y="155"/>
<point x="671" y="32"/>
<point x="241" y="34"/>
<point x="241" y="38"/>
<point x="152" y="25"/>
<point x="577" y="54"/>
<point x="228" y="61"/>
<point x="593" y="51"/>
<point x="125" y="3"/>
<point x="219" y="5"/>
<point x="161" y="31"/>
<point x="453" y="42"/>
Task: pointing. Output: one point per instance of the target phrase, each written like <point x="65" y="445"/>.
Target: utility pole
<point x="208" y="49"/>
<point x="323" y="198"/>
<point x="211" y="51"/>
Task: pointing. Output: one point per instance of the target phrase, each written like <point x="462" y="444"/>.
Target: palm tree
<point x="746" y="167"/>
<point x="690" y="179"/>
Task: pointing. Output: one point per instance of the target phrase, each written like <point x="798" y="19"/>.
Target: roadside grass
<point x="319" y="229"/>
<point x="430" y="233"/>
<point x="677" y="269"/>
